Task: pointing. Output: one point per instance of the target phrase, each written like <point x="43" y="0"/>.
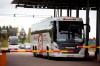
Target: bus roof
<point x="47" y="23"/>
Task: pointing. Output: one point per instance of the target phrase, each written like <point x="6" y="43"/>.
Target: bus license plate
<point x="70" y="55"/>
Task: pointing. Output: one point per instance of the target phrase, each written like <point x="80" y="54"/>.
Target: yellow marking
<point x="86" y="46"/>
<point x="21" y="50"/>
<point x="98" y="46"/>
<point x="90" y="47"/>
<point x="49" y="51"/>
<point x="35" y="50"/>
<point x="63" y="51"/>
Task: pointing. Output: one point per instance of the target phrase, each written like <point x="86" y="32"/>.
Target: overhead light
<point x="28" y="6"/>
<point x="19" y="6"/>
<point x="46" y="7"/>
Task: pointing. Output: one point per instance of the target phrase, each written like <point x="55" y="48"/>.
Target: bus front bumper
<point x="68" y="55"/>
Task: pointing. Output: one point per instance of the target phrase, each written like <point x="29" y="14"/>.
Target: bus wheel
<point x="86" y="56"/>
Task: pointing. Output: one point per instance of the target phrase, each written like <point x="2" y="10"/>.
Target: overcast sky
<point x="24" y="17"/>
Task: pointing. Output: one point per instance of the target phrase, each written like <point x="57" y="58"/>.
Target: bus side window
<point x="54" y="31"/>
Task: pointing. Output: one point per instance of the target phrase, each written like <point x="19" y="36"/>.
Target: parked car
<point x="27" y="45"/>
<point x="22" y="46"/>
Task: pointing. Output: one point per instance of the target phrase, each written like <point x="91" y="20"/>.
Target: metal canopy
<point x="57" y="4"/>
<point x="68" y="5"/>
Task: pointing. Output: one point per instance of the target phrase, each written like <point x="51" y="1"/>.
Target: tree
<point x="0" y="28"/>
<point x="22" y="35"/>
<point x="10" y="26"/>
<point x="6" y="27"/>
<point x="3" y="27"/>
<point x="29" y="33"/>
<point x="28" y="36"/>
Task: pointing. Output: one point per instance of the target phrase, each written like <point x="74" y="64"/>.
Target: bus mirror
<point x="51" y="41"/>
<point x="88" y="27"/>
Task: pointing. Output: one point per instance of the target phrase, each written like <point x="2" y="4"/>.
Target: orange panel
<point x="3" y="59"/>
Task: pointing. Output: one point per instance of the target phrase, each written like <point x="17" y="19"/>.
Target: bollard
<point x="2" y="59"/>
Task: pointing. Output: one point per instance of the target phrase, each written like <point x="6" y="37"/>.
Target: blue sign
<point x="94" y="41"/>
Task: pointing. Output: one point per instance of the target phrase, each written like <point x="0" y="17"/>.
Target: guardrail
<point x="8" y="51"/>
<point x="69" y="51"/>
<point x="88" y="46"/>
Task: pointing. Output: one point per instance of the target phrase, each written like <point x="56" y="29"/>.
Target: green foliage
<point x="22" y="36"/>
<point x="0" y="28"/>
<point x="29" y="33"/>
<point x="10" y="27"/>
<point x="27" y="39"/>
<point x="4" y="38"/>
<point x="4" y="42"/>
<point x="4" y="27"/>
<point x="91" y="43"/>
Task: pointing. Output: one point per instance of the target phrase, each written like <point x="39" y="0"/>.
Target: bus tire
<point x="86" y="56"/>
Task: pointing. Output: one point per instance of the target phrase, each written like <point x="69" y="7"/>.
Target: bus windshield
<point x="13" y="41"/>
<point x="70" y="32"/>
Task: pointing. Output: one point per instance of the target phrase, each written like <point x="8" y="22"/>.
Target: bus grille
<point x="70" y="47"/>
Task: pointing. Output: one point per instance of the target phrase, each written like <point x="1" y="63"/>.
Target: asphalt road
<point x="26" y="59"/>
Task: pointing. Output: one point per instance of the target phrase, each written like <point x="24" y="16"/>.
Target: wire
<point x="26" y="15"/>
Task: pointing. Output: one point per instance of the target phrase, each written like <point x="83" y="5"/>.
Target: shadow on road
<point x="72" y="59"/>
